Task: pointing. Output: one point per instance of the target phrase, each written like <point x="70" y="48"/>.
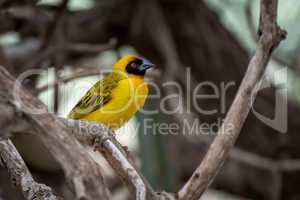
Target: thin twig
<point x="270" y="37"/>
<point x="81" y="74"/>
<point x="20" y="175"/>
<point x="57" y="34"/>
<point x="56" y="95"/>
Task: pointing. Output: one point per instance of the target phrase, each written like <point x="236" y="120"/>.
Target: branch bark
<point x="82" y="173"/>
<point x="21" y="176"/>
<point x="270" y="37"/>
<point x="103" y="140"/>
<point x="87" y="133"/>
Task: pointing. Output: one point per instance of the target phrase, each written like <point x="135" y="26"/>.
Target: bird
<point x="116" y="98"/>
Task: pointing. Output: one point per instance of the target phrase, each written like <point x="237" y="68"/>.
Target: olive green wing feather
<point x="96" y="97"/>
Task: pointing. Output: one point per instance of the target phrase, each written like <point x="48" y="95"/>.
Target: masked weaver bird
<point x="118" y="96"/>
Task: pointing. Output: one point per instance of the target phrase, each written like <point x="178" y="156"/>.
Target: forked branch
<point x="87" y="133"/>
<point x="269" y="38"/>
<point x="103" y="140"/>
<point x="78" y="168"/>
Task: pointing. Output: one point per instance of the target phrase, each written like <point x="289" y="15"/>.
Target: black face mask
<point x="138" y="67"/>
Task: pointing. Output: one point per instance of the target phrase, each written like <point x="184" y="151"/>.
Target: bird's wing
<point x="96" y="97"/>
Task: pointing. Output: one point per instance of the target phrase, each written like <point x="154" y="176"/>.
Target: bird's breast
<point x="126" y="99"/>
<point x="130" y="94"/>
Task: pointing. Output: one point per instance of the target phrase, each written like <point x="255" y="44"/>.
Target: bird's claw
<point x="125" y="148"/>
<point x="98" y="143"/>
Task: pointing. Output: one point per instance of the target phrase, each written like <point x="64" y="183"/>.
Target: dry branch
<point x="87" y="133"/>
<point x="270" y="37"/>
<point x="20" y="175"/>
<point x="253" y="32"/>
<point x="79" y="169"/>
<point x="102" y="138"/>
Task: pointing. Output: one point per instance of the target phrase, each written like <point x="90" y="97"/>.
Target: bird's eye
<point x="133" y="65"/>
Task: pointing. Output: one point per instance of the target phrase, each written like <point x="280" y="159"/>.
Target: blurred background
<point x="63" y="47"/>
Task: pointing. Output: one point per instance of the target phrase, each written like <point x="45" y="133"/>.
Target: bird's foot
<point x="125" y="148"/>
<point x="97" y="146"/>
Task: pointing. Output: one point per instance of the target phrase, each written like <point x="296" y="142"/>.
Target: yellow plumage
<point x="116" y="98"/>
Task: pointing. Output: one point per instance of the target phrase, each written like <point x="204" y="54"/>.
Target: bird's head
<point x="132" y="65"/>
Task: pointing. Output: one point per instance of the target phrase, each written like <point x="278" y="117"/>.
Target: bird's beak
<point x="146" y="65"/>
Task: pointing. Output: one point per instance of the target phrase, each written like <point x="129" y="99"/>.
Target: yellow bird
<point x="118" y="96"/>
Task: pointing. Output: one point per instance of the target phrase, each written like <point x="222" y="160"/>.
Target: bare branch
<point x="72" y="157"/>
<point x="253" y="32"/>
<point x="270" y="37"/>
<point x="102" y="138"/>
<point x="119" y="162"/>
<point x="21" y="176"/>
<point x="81" y="74"/>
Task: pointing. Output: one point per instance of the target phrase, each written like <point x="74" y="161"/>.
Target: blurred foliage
<point x="9" y="38"/>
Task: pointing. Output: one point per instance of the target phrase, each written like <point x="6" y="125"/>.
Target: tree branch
<point x="87" y="133"/>
<point x="270" y="37"/>
<point x="79" y="169"/>
<point x="102" y="138"/>
<point x="253" y="32"/>
<point x="20" y="175"/>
